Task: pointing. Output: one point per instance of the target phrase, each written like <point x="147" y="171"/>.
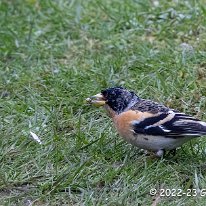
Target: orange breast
<point x="123" y="121"/>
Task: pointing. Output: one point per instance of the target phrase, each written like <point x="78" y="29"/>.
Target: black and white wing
<point x="170" y="124"/>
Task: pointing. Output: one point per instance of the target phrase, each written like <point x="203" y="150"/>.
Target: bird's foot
<point x="153" y="154"/>
<point x="163" y="153"/>
<point x="146" y="152"/>
<point x="160" y="153"/>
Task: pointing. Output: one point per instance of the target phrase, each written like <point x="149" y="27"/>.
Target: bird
<point x="146" y="124"/>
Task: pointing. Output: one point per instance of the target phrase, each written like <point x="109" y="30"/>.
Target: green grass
<point x="53" y="55"/>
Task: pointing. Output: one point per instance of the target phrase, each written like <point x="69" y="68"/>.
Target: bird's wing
<point x="170" y="124"/>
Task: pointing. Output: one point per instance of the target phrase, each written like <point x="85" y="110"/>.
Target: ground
<point x="53" y="55"/>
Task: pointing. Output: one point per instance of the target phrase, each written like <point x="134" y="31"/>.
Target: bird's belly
<point x="155" y="143"/>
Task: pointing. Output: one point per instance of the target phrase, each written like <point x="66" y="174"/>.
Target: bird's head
<point x="116" y="98"/>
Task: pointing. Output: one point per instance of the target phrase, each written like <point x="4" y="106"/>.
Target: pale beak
<point x="96" y="100"/>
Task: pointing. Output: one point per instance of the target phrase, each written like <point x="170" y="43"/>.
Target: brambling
<point x="147" y="124"/>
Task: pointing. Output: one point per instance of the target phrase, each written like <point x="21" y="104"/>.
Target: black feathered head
<point x="117" y="98"/>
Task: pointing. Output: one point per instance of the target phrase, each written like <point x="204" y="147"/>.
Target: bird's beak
<point x="96" y="100"/>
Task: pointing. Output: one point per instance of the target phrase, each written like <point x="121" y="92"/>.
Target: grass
<point x="53" y="55"/>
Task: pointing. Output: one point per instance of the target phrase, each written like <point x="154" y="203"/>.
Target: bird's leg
<point x="151" y="153"/>
<point x="145" y="152"/>
<point x="160" y="153"/>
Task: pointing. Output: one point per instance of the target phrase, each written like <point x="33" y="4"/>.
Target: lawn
<point x="56" y="53"/>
